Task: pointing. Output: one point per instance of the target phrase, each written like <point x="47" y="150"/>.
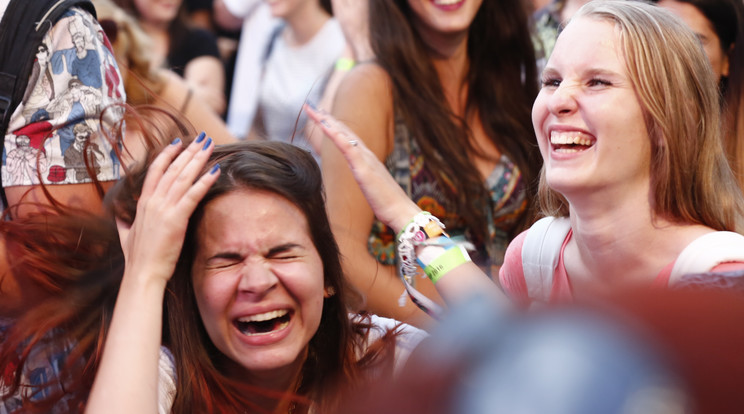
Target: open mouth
<point x="263" y="323"/>
<point x="570" y="141"/>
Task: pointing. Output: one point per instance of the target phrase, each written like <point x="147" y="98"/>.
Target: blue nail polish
<point x="176" y="141"/>
<point x="325" y="123"/>
<point x="214" y="169"/>
<point x="312" y="106"/>
<point x="207" y="144"/>
<point x="200" y="138"/>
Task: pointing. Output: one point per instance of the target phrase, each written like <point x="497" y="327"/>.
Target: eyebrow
<point x="552" y="71"/>
<point x="273" y="251"/>
<point x="282" y="248"/>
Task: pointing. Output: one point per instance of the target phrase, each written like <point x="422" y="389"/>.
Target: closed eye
<point x="287" y="251"/>
<point x="551" y="82"/>
<point x="598" y="82"/>
<point x="223" y="260"/>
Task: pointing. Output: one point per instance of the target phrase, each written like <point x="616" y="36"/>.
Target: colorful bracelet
<point x="450" y="259"/>
<point x="423" y="226"/>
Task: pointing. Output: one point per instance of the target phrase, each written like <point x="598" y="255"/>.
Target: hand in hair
<point x="169" y="195"/>
<point x="127" y="377"/>
<point x="388" y="201"/>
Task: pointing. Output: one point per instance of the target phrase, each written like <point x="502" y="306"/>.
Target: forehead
<point x="252" y="217"/>
<point x="587" y="42"/>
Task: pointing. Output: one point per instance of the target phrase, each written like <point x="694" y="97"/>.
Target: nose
<point x="563" y="99"/>
<point x="257" y="278"/>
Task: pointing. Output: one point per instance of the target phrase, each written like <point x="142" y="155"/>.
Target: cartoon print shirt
<point x="56" y="128"/>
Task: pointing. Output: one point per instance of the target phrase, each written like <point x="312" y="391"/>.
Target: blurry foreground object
<point x="649" y="351"/>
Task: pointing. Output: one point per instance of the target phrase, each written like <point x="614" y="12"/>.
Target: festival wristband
<point x="450" y="259"/>
<point x="345" y="64"/>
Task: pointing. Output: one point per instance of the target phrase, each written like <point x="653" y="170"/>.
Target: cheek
<point x="211" y="301"/>
<point x="539" y="114"/>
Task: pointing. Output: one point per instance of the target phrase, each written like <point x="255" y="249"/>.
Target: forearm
<point x="127" y="377"/>
<point x="382" y="289"/>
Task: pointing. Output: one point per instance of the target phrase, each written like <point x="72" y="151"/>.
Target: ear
<point x="727" y="61"/>
<point x="328" y="292"/>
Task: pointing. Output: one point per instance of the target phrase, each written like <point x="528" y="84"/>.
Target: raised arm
<point x="364" y="101"/>
<point x="127" y="377"/>
<point x="393" y="207"/>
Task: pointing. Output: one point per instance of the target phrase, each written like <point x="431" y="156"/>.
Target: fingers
<point x="173" y="170"/>
<point x="343" y="138"/>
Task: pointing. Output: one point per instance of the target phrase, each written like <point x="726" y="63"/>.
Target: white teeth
<point x="446" y="2"/>
<point x="264" y="316"/>
<point x="563" y="138"/>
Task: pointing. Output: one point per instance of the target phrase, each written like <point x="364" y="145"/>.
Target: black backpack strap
<point x="22" y="30"/>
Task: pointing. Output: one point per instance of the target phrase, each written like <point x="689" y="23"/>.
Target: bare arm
<point x="127" y="378"/>
<point x="175" y="94"/>
<point x="206" y="75"/>
<point x="393" y="207"/>
<point x="364" y="102"/>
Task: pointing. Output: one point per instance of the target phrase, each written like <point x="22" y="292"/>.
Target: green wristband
<point x="449" y="260"/>
<point x="345" y="64"/>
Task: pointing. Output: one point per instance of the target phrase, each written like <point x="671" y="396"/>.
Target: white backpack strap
<point x="540" y="253"/>
<point x="707" y="252"/>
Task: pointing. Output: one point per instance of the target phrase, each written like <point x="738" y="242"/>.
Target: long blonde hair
<point x="691" y="180"/>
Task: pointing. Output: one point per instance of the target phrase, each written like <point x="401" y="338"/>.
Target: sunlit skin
<point x="158" y="12"/>
<point x="704" y="30"/>
<point x="284" y="9"/>
<point x="255" y="256"/>
<point x="443" y="23"/>
<point x="586" y="94"/>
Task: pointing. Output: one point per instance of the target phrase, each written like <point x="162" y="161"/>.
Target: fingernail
<point x="312" y="106"/>
<point x="207" y="144"/>
<point x="214" y="169"/>
<point x="200" y="138"/>
<point x="176" y="141"/>
<point x="325" y="123"/>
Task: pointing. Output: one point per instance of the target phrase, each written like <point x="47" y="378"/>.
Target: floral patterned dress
<point x="506" y="205"/>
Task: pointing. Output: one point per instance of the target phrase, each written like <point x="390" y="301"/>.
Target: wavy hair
<point x="502" y="84"/>
<point x="76" y="257"/>
<point x="691" y="180"/>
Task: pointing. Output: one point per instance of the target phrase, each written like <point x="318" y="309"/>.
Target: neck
<point x="621" y="242"/>
<point x="154" y="28"/>
<point x="304" y="23"/>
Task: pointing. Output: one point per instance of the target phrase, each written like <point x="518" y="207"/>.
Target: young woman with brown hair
<point x="446" y="105"/>
<point x="252" y="309"/>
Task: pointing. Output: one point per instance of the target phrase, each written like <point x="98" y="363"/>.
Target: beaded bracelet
<point x="439" y="255"/>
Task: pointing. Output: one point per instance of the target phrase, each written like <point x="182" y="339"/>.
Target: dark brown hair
<point x="502" y="84"/>
<point x="77" y="258"/>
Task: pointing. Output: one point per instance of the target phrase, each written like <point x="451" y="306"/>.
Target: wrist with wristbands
<point x="424" y="241"/>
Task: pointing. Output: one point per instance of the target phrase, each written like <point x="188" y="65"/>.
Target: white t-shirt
<point x="293" y="75"/>
<point x="258" y="25"/>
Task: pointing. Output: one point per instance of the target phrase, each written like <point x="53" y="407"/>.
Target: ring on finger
<point x="353" y="142"/>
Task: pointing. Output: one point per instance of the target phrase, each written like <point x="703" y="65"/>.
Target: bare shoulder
<point x="364" y="102"/>
<point x="365" y="81"/>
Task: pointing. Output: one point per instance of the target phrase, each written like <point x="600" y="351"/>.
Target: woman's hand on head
<point x="170" y="194"/>
<point x="388" y="201"/>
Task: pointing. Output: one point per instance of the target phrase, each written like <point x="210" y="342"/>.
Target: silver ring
<point x="353" y="142"/>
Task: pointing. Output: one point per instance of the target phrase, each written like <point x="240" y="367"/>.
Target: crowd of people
<point x="414" y="206"/>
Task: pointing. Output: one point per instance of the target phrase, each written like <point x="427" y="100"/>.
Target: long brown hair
<point x="76" y="256"/>
<point x="502" y="84"/>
